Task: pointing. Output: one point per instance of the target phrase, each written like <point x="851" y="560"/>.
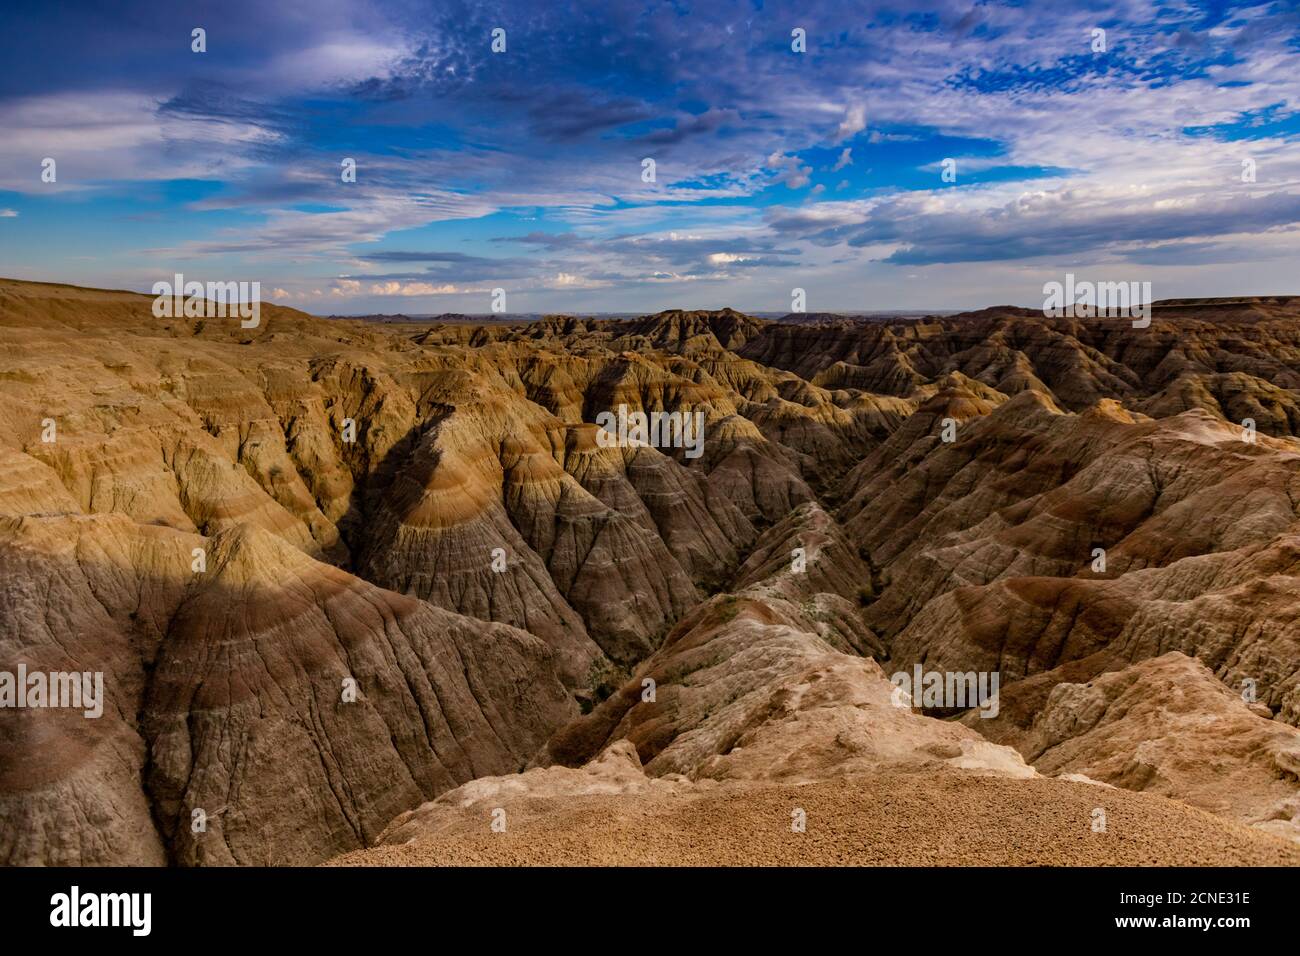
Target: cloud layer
<point x="1134" y="139"/>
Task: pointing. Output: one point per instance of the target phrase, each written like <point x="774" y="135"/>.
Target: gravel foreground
<point x="900" y="820"/>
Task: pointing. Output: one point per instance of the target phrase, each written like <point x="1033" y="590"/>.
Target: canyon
<point x="359" y="591"/>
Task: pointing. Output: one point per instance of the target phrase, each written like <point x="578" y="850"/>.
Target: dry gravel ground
<point x="896" y="820"/>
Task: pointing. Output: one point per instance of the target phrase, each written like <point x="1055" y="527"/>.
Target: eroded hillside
<point x="332" y="571"/>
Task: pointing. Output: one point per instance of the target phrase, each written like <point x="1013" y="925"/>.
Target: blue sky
<point x="774" y="170"/>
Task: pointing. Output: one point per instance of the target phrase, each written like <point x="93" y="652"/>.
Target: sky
<point x="1127" y="141"/>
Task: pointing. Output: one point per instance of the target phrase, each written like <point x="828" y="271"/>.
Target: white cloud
<point x="793" y="171"/>
<point x="414" y="288"/>
<point x="97" y="136"/>
<point x="854" y="122"/>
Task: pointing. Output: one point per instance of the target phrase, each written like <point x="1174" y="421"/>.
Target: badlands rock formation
<point x="225" y="696"/>
<point x="1166" y="725"/>
<point x="353" y="587"/>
